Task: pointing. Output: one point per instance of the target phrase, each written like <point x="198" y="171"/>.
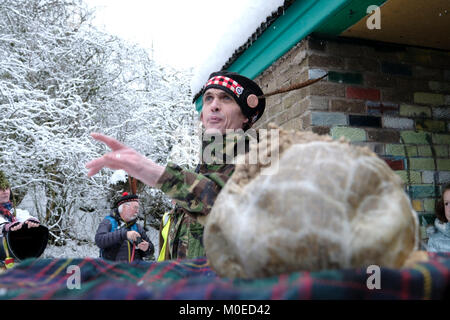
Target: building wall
<point x="394" y="99"/>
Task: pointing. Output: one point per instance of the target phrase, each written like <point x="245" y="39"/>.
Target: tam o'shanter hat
<point x="126" y="197"/>
<point x="4" y="183"/>
<point x="245" y="92"/>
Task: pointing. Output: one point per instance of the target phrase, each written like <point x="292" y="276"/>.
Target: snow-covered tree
<point x="60" y="80"/>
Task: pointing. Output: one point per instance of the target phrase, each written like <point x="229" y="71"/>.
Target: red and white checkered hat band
<point x="226" y="82"/>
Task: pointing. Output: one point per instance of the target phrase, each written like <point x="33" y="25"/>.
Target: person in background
<point x="439" y="235"/>
<point x="119" y="237"/>
<point x="11" y="219"/>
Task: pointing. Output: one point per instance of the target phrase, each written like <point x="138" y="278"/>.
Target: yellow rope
<point x="5" y="246"/>
<point x="129" y="254"/>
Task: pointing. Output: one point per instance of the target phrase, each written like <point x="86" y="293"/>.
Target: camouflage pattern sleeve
<point x="195" y="192"/>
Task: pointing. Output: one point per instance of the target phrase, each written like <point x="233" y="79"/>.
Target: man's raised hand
<point x="125" y="158"/>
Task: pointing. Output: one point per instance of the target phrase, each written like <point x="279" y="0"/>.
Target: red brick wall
<point x="394" y="99"/>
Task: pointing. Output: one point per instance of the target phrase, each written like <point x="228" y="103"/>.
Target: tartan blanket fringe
<point x="89" y="279"/>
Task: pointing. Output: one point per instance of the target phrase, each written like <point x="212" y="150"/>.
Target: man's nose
<point x="215" y="105"/>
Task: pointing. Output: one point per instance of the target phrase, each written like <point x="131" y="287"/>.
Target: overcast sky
<point x="182" y="31"/>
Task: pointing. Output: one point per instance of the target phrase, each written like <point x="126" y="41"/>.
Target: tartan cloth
<point x="194" y="280"/>
<point x="226" y="82"/>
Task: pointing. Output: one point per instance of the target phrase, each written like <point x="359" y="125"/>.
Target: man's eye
<point x="208" y="98"/>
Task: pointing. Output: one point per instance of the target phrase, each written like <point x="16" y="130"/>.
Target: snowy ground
<point x="71" y="250"/>
<point x="75" y="250"/>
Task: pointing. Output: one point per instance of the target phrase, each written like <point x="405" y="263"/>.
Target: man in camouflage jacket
<point x="230" y="102"/>
<point x="194" y="193"/>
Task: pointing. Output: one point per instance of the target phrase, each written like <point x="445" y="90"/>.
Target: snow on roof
<point x="236" y="32"/>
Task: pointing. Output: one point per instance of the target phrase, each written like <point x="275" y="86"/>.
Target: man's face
<point x="4" y="195"/>
<point x="447" y="204"/>
<point x="220" y="112"/>
<point x="130" y="211"/>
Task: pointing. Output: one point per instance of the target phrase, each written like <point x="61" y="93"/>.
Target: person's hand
<point x="31" y="223"/>
<point x="143" y="245"/>
<point x="121" y="157"/>
<point x="125" y="158"/>
<point x="16" y="226"/>
<point x="132" y="235"/>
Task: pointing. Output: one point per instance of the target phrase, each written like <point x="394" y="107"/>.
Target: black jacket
<point x="115" y="245"/>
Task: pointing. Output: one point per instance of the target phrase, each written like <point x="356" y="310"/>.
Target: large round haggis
<point x="324" y="204"/>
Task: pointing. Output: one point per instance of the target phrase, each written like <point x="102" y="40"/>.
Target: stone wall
<point x="394" y="99"/>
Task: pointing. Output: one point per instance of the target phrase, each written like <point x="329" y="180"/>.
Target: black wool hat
<point x="244" y="90"/>
<point x="126" y="198"/>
